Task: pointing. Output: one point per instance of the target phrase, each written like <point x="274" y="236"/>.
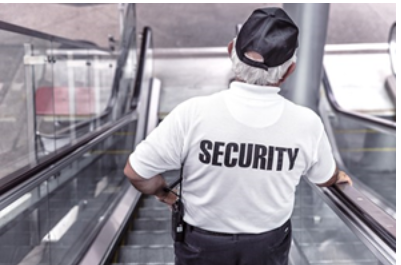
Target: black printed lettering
<point x="216" y="153"/>
<point x="205" y="156"/>
<point x="245" y="159"/>
<point x="292" y="157"/>
<point x="270" y="158"/>
<point x="247" y="155"/>
<point x="280" y="151"/>
<point x="229" y="161"/>
<point x="259" y="159"/>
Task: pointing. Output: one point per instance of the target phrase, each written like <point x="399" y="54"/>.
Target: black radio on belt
<point x="177" y="221"/>
<point x="177" y="218"/>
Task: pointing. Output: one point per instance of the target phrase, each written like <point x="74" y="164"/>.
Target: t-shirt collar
<point x="253" y="91"/>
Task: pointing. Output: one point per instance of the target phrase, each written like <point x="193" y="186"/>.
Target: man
<point x="243" y="153"/>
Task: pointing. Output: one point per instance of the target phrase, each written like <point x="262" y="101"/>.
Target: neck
<point x="275" y="85"/>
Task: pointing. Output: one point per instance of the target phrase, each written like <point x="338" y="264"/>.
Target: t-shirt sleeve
<point x="323" y="163"/>
<point x="162" y="149"/>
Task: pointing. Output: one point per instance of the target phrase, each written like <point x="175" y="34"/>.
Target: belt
<point x="206" y="232"/>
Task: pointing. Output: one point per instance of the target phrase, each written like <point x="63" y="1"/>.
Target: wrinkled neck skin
<point x="275" y="85"/>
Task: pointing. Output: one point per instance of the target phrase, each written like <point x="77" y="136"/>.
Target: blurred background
<point x="190" y="25"/>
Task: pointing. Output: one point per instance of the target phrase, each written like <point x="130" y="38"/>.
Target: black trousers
<point x="203" y="248"/>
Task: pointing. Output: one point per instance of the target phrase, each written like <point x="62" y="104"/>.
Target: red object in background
<point x="45" y="105"/>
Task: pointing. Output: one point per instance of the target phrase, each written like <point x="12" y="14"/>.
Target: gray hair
<point x="259" y="76"/>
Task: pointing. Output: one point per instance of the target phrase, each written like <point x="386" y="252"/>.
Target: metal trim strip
<point x="41" y="35"/>
<point x="40" y="174"/>
<point x="113" y="226"/>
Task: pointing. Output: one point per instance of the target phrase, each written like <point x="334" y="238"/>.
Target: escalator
<point x="327" y="229"/>
<point x="365" y="146"/>
<point x="148" y="239"/>
<point x="80" y="209"/>
<point x="55" y="204"/>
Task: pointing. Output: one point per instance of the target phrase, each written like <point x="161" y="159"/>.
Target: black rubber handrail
<point x="379" y="230"/>
<point x="114" y="91"/>
<point x="44" y="36"/>
<point x="142" y="63"/>
<point x="126" y="44"/>
<point x="378" y="122"/>
<point x="63" y="132"/>
<point x="77" y="44"/>
<point x="17" y="178"/>
<point x="146" y="46"/>
<point x="386" y="234"/>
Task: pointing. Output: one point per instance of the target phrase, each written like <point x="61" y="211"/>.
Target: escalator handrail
<point x="123" y="217"/>
<point x="16" y="178"/>
<point x="356" y="221"/>
<point x="353" y="202"/>
<point x="383" y="124"/>
<point x="125" y="45"/>
<point x="41" y="35"/>
<point x="378" y="226"/>
<point x="126" y="42"/>
<point x="77" y="44"/>
<point x="57" y="165"/>
<point x="146" y="44"/>
<point x="347" y="195"/>
<point x="19" y="178"/>
<point x="114" y="91"/>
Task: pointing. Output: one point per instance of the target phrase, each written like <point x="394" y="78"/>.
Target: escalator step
<point x="13" y="254"/>
<point x="147" y="255"/>
<point x="135" y="263"/>
<point x="152" y="202"/>
<point x="159" y="212"/>
<point x="152" y="224"/>
<point x="149" y="238"/>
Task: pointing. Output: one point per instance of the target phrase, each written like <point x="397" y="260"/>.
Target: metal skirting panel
<point x="106" y="236"/>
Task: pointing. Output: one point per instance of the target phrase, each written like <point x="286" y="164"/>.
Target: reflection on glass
<point x="369" y="155"/>
<point x="76" y="102"/>
<point x="52" y="222"/>
<point x="322" y="236"/>
<point x="20" y="57"/>
<point x="52" y="94"/>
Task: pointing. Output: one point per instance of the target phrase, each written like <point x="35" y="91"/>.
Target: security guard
<point x="244" y="151"/>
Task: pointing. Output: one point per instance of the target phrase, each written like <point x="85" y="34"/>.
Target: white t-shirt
<point x="245" y="150"/>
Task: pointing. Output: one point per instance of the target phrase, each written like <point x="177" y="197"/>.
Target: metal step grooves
<point x="148" y="241"/>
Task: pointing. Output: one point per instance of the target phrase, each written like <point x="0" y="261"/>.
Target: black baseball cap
<point x="269" y="32"/>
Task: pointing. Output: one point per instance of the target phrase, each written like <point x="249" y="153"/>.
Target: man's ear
<point x="230" y="47"/>
<point x="290" y="70"/>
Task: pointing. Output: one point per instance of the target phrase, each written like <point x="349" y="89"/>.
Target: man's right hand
<point x="342" y="177"/>
<point x="338" y="177"/>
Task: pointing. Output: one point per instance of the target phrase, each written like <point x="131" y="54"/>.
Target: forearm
<point x="152" y="186"/>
